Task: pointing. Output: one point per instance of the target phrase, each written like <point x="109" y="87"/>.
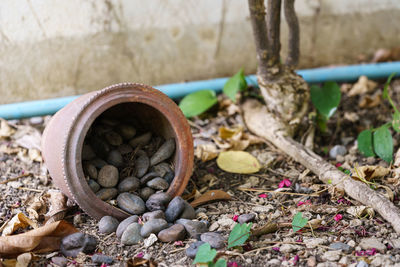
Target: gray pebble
<point x="131" y="203"/>
<point x="108" y="176"/>
<point x="107" y="193"/>
<point x="59" y="261"/>
<point x="164" y="152"/>
<point x="153" y="227"/>
<point x="129" y="184"/>
<point x="191" y="251"/>
<point x="125" y="149"/>
<point x="87" y="153"/>
<point x="245" y="218"/>
<point x="90" y="170"/>
<point x="158" y="201"/>
<point x="108" y="224"/>
<point x="341" y="246"/>
<point x="126" y="131"/>
<point x="132" y="235"/>
<point x="158" y="184"/>
<point x="115" y="158"/>
<point x="100" y="147"/>
<point x="362" y="264"/>
<point x="101" y="258"/>
<point x="188" y="212"/>
<point x="157" y="214"/>
<point x="72" y="244"/>
<point x="194" y="228"/>
<point x="174" y="209"/>
<point x="142" y="163"/>
<point x="113" y="138"/>
<point x="125" y="223"/>
<point x="337" y="150"/>
<point x="143" y="140"/>
<point x="98" y="163"/>
<point x="149" y="176"/>
<point x="173" y="233"/>
<point x="214" y="239"/>
<point x="169" y="177"/>
<point x="161" y="169"/>
<point x="146" y="192"/>
<point x="93" y="185"/>
<point x="36" y="120"/>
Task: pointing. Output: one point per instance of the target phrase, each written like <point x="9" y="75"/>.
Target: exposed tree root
<point x="260" y="122"/>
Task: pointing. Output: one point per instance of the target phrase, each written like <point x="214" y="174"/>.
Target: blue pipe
<point x="177" y="90"/>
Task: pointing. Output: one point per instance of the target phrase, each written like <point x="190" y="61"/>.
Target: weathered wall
<point x="51" y="48"/>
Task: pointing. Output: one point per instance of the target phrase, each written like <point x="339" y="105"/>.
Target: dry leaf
<point x="37" y="209"/>
<point x="383" y="55"/>
<point x="43" y="239"/>
<point x="19" y="221"/>
<point x="362" y="86"/>
<point x="58" y="206"/>
<point x="24" y="259"/>
<point x="361" y="211"/>
<point x="35" y="155"/>
<point x="206" y="152"/>
<point x="6" y="130"/>
<point x="238" y="162"/>
<point x="210" y="179"/>
<point x="397" y="159"/>
<point x="209" y="196"/>
<point x="370" y="101"/>
<point x="370" y="172"/>
<point x="142" y="262"/>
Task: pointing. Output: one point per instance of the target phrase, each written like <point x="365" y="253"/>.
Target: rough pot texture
<point x="64" y="136"/>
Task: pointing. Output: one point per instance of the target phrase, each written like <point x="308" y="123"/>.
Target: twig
<point x="294" y="33"/>
<point x="176" y="250"/>
<point x="273" y="28"/>
<point x="16" y="178"/>
<point x="31" y="189"/>
<point x="277" y="192"/>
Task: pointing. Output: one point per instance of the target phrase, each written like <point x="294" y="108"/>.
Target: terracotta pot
<point x="64" y="135"/>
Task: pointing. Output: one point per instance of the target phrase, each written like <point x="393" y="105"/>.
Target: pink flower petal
<point x="338" y="217"/>
<point x="179" y="243"/>
<point x="140" y="255"/>
<point x="232" y="264"/>
<point x="263" y="195"/>
<point x="235" y="218"/>
<point x="300" y="203"/>
<point x="285" y="183"/>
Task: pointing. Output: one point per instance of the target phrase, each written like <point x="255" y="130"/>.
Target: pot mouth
<point x="155" y="110"/>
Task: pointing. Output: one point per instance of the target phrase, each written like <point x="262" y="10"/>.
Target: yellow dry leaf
<point x="206" y="152"/>
<point x="19" y="221"/>
<point x="24" y="259"/>
<point x="362" y="86"/>
<point x="230" y="133"/>
<point x="361" y="211"/>
<point x="371" y="172"/>
<point x="35" y="155"/>
<point x="5" y="129"/>
<point x="238" y="162"/>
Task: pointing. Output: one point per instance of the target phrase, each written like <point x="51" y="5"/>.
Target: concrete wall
<point x="52" y="48"/>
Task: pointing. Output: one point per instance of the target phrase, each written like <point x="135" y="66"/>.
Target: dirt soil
<point x="369" y="238"/>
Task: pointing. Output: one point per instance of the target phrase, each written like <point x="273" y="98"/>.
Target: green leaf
<point x="326" y="99"/>
<point x="298" y="222"/>
<point x="385" y="93"/>
<point x="240" y="233"/>
<point x="383" y="143"/>
<point x="220" y="263"/>
<point x="205" y="254"/>
<point x="196" y="103"/>
<point x="364" y="143"/>
<point x="322" y="122"/>
<point x="396" y="121"/>
<point x="234" y="84"/>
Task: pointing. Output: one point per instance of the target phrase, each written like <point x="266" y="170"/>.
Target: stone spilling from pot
<point x="126" y="165"/>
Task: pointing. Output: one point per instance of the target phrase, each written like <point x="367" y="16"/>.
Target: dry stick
<point x="16" y="178"/>
<point x="260" y="122"/>
<point x="273" y="28"/>
<point x="294" y="33"/>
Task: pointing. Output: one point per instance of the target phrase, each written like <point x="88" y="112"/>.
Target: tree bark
<point x="294" y="34"/>
<point x="274" y="42"/>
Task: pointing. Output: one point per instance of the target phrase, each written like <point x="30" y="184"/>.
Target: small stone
<point x="169" y="177"/>
<point x="191" y="251"/>
<point x="332" y="255"/>
<point x="287" y="248"/>
<point x="174" y="209"/>
<point x="214" y="239"/>
<point x="36" y="120"/>
<point x="132" y="235"/>
<point x="93" y="185"/>
<point x="158" y="184"/>
<point x="162" y="169"/>
<point x="153" y="227"/>
<point x="344" y="260"/>
<point x="150" y="240"/>
<point x="100" y="147"/>
<point x="157" y="214"/>
<point x="395" y="243"/>
<point x="314" y="242"/>
<point x="107" y="193"/>
<point x="108" y="224"/>
<point x="90" y="170"/>
<point x="126" y="131"/>
<point x="131" y="203"/>
<point x="362" y="264"/>
<point x="369" y="243"/>
<point x="351" y="243"/>
<point x="194" y="228"/>
<point x="143" y="140"/>
<point x="113" y="138"/>
<point x="98" y="163"/>
<point x="341" y="246"/>
<point x="87" y="153"/>
<point x="108" y="176"/>
<point x="173" y="233"/>
<point x="245" y="218"/>
<point x="115" y="158"/>
<point x="337" y="150"/>
<point x="157" y="201"/>
<point x="125" y="223"/>
<point x="142" y="163"/>
<point x="72" y="244"/>
<point x="101" y="258"/>
<point x="164" y="152"/>
<point x="188" y="212"/>
<point x="148" y="177"/>
<point x="129" y="184"/>
<point x="59" y="261"/>
<point x="274" y="263"/>
<point x="311" y="261"/>
<point x="146" y="192"/>
<point x="78" y="219"/>
<point x="125" y="149"/>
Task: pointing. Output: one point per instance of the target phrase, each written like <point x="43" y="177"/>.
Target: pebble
<point x="193" y="228"/>
<point x="157" y="201"/>
<point x="173" y="233"/>
<point x="287" y="248"/>
<point x="87" y="153"/>
<point x="162" y="169"/>
<point x="125" y="223"/>
<point x="149" y="176"/>
<point x="337" y="150"/>
<point x="142" y="163"/>
<point x="143" y="140"/>
<point x="98" y="163"/>
<point x="311" y="261"/>
<point x="158" y="184"/>
<point x="214" y="239"/>
<point x="146" y="192"/>
<point x="72" y="244"/>
<point x="395" y="243"/>
<point x="107" y="193"/>
<point x="129" y="184"/>
<point x="124" y="149"/>
<point x="115" y="158"/>
<point x="157" y="214"/>
<point x="192" y="249"/>
<point x="101" y="258"/>
<point x="153" y="227"/>
<point x="174" y="209"/>
<point x="90" y="170"/>
<point x="36" y="120"/>
<point x="362" y="264"/>
<point x="314" y="242"/>
<point x="188" y="212"/>
<point x="108" y="224"/>
<point x="368" y="243"/>
<point x="332" y="255"/>
<point x="131" y="203"/>
<point x="132" y="235"/>
<point x="274" y="262"/>
<point x="113" y="138"/>
<point x="108" y="176"/>
<point x="341" y="246"/>
<point x="59" y="261"/>
<point x="150" y="240"/>
<point x="169" y="177"/>
<point x="164" y="152"/>
<point x="245" y="218"/>
<point x="100" y="147"/>
<point x="126" y="131"/>
<point x="94" y="185"/>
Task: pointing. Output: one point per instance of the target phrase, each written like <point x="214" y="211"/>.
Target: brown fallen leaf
<point x="58" y="206"/>
<point x="136" y="262"/>
<point x="362" y="86"/>
<point x="209" y="196"/>
<point x="383" y="55"/>
<point x="206" y="152"/>
<point x="368" y="101"/>
<point x="370" y="172"/>
<point x="19" y="221"/>
<point x="24" y="259"/>
<point x="43" y="239"/>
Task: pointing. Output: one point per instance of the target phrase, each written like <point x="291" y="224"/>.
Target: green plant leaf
<point x="385" y="93"/>
<point x="298" y="222"/>
<point x="383" y="143"/>
<point x="240" y="233"/>
<point x="364" y="143"/>
<point x="205" y="254"/>
<point x="196" y="103"/>
<point x="235" y="84"/>
<point x="326" y="99"/>
<point x="220" y="263"/>
<point x="396" y="121"/>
